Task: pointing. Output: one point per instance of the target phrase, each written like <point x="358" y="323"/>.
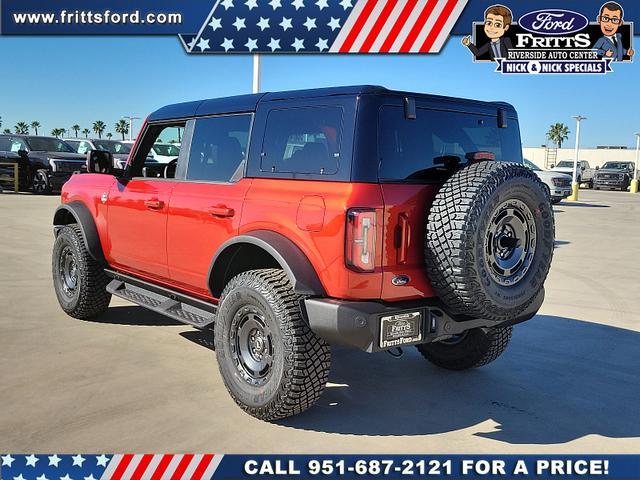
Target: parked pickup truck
<point x="294" y="221"/>
<point x="44" y="163"/>
<point x="614" y="175"/>
<point x="584" y="173"/>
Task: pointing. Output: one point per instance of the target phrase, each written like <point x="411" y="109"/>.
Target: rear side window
<point x="416" y="150"/>
<point x="303" y="140"/>
<point x="219" y="148"/>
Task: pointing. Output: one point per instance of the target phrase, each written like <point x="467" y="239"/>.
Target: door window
<point x="219" y="148"/>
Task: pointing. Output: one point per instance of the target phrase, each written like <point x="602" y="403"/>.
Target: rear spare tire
<point x="489" y="240"/>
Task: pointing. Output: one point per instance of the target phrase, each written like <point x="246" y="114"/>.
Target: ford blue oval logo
<point x="553" y="22"/>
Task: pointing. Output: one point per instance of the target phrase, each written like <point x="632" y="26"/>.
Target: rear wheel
<point x="79" y="280"/>
<point x="272" y="364"/>
<point x="489" y="241"/>
<point x="40" y="184"/>
<point x="474" y="348"/>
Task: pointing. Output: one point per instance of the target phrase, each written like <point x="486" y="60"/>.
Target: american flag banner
<point x="109" y="467"/>
<point x="326" y="26"/>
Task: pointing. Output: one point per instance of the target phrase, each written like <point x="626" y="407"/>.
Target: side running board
<point x="172" y="304"/>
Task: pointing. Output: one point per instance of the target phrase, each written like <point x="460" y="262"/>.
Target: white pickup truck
<point x="585" y="172"/>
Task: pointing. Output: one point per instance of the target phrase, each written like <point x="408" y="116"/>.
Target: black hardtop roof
<point x="249" y="103"/>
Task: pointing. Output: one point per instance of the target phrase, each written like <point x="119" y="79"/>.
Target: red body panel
<point x="137" y="225"/>
<point x="292" y="208"/>
<point x="202" y="216"/>
<point x="405" y="214"/>
<point x="168" y="232"/>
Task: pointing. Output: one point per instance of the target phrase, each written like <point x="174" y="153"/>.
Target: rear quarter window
<point x="302" y="140"/>
<point x="413" y="150"/>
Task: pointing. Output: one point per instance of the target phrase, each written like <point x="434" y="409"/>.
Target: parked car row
<point x="611" y="176"/>
<point x="46" y="163"/>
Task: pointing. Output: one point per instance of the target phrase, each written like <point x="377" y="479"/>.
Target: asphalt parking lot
<point x="135" y="381"/>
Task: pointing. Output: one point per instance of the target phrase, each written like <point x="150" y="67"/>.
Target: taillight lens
<point x="360" y="248"/>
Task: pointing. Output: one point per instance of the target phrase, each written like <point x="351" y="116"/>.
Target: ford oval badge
<point x="553" y="22"/>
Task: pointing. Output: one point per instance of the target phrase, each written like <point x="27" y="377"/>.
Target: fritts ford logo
<point x="552" y="41"/>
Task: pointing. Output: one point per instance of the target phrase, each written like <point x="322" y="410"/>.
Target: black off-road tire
<point x="40" y="184"/>
<point x="90" y="297"/>
<point x="473" y="349"/>
<point x="300" y="360"/>
<point x="458" y="228"/>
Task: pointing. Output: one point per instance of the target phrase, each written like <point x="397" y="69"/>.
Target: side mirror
<point x="597" y="167"/>
<point x="23" y="153"/>
<point x="553" y="165"/>
<point x="100" y="161"/>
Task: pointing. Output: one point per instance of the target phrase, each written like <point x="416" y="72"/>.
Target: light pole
<point x="634" y="182"/>
<point x="256" y="73"/>
<point x="131" y="119"/>
<point x="575" y="186"/>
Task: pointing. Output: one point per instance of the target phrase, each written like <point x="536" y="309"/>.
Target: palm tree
<point x="86" y="132"/>
<point x="98" y="127"/>
<point x="63" y="132"/>
<point x="22" y="128"/>
<point x="558" y="133"/>
<point x="6" y="131"/>
<point x="122" y="127"/>
<point x="56" y="132"/>
<point x="76" y="128"/>
<point x="35" y="125"/>
<point x="109" y="135"/>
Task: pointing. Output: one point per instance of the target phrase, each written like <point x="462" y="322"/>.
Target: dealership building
<point x="545" y="157"/>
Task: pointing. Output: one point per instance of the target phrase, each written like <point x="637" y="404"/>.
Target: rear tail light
<point x="360" y="248"/>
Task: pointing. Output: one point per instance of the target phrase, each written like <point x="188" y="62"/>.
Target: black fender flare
<point x="293" y="261"/>
<point x="84" y="219"/>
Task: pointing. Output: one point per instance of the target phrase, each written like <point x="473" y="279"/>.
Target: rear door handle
<point x="153" y="204"/>
<point x="222" y="211"/>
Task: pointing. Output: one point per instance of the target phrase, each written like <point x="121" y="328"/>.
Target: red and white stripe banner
<point x="398" y="26"/>
<point x="161" y="467"/>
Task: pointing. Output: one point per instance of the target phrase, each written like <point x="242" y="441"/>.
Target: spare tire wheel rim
<point x="251" y="345"/>
<point x="510" y="243"/>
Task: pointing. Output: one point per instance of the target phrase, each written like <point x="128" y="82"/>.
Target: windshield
<point x="165" y="149"/>
<point x="112" y="146"/>
<point x="44" y="144"/>
<point x="617" y="166"/>
<point x="565" y="164"/>
<point x="531" y="165"/>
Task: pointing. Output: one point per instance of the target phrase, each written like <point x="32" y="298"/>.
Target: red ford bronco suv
<point x="293" y="221"/>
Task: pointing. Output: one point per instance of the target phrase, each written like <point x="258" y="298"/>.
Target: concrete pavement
<point x="135" y="381"/>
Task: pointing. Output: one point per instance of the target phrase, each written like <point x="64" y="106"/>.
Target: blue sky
<point x="60" y="81"/>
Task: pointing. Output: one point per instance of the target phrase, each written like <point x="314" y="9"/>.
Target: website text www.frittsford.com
<point x="89" y="17"/>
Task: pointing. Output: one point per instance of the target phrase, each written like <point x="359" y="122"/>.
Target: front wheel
<point x="79" y="280"/>
<point x="471" y="349"/>
<point x="40" y="184"/>
<point x="272" y="364"/>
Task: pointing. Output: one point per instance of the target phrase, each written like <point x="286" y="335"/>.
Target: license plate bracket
<point x="400" y="329"/>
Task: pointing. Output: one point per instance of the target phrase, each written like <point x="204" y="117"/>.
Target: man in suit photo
<point x="610" y="45"/>
<point x="496" y="23"/>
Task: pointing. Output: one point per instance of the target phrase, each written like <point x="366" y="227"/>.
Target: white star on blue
<point x="266" y="26"/>
<point x="54" y="467"/>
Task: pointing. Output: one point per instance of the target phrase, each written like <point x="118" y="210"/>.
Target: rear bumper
<point x="358" y="324"/>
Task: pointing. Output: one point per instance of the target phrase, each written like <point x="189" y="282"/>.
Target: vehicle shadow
<point x="588" y="205"/>
<point x="560" y="243"/>
<point x="134" y="315"/>
<point x="203" y="338"/>
<point x="559" y="380"/>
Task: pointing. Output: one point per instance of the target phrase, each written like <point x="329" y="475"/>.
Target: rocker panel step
<point x="158" y="299"/>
